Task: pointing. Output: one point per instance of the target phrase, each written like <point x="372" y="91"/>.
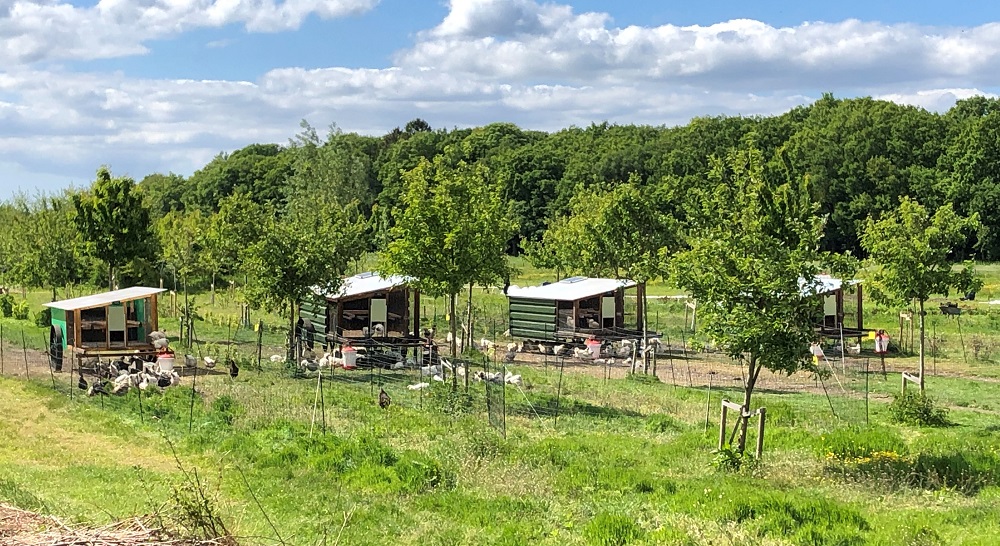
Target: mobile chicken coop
<point x="107" y="324"/>
<point x="841" y="304"/>
<point x="368" y="310"/>
<point x="575" y="308"/>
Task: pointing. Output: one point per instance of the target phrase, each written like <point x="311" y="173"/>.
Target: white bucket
<point x="165" y="363"/>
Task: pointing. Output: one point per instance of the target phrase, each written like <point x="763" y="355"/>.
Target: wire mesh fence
<point x="532" y="388"/>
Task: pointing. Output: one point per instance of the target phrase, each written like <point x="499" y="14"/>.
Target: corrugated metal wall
<point x="532" y="319"/>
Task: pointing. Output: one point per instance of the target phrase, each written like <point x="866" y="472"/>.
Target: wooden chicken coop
<point x="367" y="310"/>
<point x="842" y="307"/>
<point x="574" y="309"/>
<point x="107" y="324"/>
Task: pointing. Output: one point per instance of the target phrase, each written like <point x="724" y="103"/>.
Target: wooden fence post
<point x="722" y="426"/>
<point x="760" y="432"/>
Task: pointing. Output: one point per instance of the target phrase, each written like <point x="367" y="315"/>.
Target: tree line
<point x="739" y="211"/>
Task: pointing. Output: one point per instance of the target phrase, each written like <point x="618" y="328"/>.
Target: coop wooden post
<point x="722" y="425"/>
<point x="760" y="432"/>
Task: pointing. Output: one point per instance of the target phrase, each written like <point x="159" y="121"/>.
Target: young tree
<point x="114" y="221"/>
<point x="452" y="230"/>
<point x="49" y="250"/>
<point x="911" y="257"/>
<point x="611" y="231"/>
<point x="309" y="247"/>
<point x="751" y="258"/>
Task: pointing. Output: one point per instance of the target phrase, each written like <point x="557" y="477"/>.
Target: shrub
<point x="6" y="305"/>
<point x="20" y="310"/>
<point x="612" y="530"/>
<point x="917" y="409"/>
<point x="728" y="459"/>
<point x="44" y="318"/>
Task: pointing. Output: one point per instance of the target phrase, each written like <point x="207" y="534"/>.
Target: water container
<point x="165" y="362"/>
<point x="350" y="357"/>
<point x="595" y="348"/>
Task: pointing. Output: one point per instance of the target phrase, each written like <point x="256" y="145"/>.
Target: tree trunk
<point x="468" y="320"/>
<point x="213" y="289"/>
<point x="53" y="292"/>
<point x="645" y="335"/>
<point x="454" y="336"/>
<point x="921" y="346"/>
<point x="111" y="276"/>
<point x="291" y="334"/>
<point x="753" y="372"/>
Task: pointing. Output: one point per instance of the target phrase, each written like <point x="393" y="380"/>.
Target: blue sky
<point x="164" y="85"/>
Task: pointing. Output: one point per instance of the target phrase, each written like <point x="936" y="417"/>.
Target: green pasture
<point x="586" y="460"/>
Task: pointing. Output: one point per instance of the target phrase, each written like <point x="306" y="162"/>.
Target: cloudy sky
<point x="164" y="85"/>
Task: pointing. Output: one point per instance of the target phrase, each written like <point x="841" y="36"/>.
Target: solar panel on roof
<point x="571" y="280"/>
<point x="366" y="275"/>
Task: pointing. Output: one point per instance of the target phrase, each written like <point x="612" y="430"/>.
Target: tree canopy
<point x="114" y="221"/>
<point x="911" y="255"/>
<point x="752" y="256"/>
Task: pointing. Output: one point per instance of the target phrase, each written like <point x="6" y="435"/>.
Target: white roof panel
<point x="364" y="283"/>
<point x="823" y="284"/>
<point x="104" y="298"/>
<point x="572" y="289"/>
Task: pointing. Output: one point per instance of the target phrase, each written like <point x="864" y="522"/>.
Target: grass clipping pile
<point x="24" y="528"/>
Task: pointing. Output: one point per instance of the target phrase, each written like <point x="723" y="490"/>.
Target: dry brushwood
<point x="24" y="528"/>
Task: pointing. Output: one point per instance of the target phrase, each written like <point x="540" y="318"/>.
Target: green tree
<point x="49" y="248"/>
<point x="451" y="230"/>
<point x="911" y="257"/>
<point x="300" y="252"/>
<point x="752" y="255"/>
<point x="114" y="221"/>
<point x="611" y="231"/>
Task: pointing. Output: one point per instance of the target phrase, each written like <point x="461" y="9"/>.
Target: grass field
<point x="585" y="460"/>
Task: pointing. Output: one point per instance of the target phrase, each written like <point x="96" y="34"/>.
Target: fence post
<point x="760" y="431"/>
<point x="722" y="425"/>
<point x="1" y="349"/>
<point x="24" y="346"/>
<point x="260" y="344"/>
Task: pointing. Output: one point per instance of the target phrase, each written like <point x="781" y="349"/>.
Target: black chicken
<point x="234" y="370"/>
<point x="383" y="399"/>
<point x="82" y="383"/>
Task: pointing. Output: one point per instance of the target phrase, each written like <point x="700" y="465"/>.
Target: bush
<point x="612" y="530"/>
<point x="728" y="459"/>
<point x="917" y="409"/>
<point x="44" y="318"/>
<point x="6" y="305"/>
<point x="20" y="310"/>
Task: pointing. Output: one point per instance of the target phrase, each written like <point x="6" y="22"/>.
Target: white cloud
<point x="937" y="100"/>
<point x="40" y="30"/>
<point x="541" y="66"/>
<point x="525" y="40"/>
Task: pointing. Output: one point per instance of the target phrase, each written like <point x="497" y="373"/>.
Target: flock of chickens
<point x="133" y="372"/>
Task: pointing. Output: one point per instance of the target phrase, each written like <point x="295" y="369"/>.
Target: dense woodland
<point x="858" y="157"/>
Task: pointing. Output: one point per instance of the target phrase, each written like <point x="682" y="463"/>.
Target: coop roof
<point x="571" y="289"/>
<point x="105" y="298"/>
<point x="823" y="284"/>
<point x="365" y="283"/>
